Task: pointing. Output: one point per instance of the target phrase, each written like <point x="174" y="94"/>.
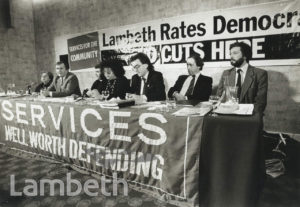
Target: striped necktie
<point x="191" y="87"/>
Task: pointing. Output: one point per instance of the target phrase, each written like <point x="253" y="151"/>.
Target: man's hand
<point x="139" y="99"/>
<point x="178" y="96"/>
<point x="45" y="93"/>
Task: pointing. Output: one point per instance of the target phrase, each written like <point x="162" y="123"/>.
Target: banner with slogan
<point x="271" y="29"/>
<point x="140" y="146"/>
<point x="84" y="51"/>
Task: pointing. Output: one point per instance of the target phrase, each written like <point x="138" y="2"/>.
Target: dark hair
<point x="245" y="49"/>
<point x="99" y="66"/>
<point x="198" y="60"/>
<point x="115" y="65"/>
<point x="144" y="60"/>
<point x="50" y="75"/>
<point x="62" y="62"/>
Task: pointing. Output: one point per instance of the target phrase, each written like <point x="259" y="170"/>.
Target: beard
<point x="237" y="63"/>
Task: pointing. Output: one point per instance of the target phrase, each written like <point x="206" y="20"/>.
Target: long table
<point x="187" y="161"/>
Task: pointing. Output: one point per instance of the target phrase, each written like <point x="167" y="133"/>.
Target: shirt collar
<point x="243" y="68"/>
<point x="146" y="76"/>
<point x="197" y="74"/>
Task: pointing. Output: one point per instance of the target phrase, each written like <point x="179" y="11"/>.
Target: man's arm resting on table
<point x="69" y="90"/>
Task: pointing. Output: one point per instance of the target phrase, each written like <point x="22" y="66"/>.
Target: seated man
<point x="147" y="81"/>
<point x="194" y="86"/>
<point x="64" y="84"/>
<point x="252" y="82"/>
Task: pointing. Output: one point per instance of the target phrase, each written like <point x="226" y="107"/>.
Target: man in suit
<point x="194" y="86"/>
<point x="64" y="84"/>
<point x="147" y="82"/>
<point x="252" y="82"/>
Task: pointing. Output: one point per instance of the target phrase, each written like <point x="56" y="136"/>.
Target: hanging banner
<point x="272" y="30"/>
<point x="84" y="51"/>
<point x="142" y="147"/>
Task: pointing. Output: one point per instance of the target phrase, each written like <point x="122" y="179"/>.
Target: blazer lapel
<point x="149" y="77"/>
<point x="63" y="81"/>
<point x="232" y="77"/>
<point x="198" y="81"/>
<point x="247" y="82"/>
<point x="138" y="85"/>
<point x="67" y="77"/>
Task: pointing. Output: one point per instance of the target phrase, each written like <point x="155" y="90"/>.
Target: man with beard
<point x="252" y="82"/>
<point x="194" y="86"/>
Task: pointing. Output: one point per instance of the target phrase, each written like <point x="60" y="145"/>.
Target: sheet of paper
<point x="56" y="100"/>
<point x="109" y="105"/>
<point x="244" y="109"/>
<point x="147" y="105"/>
<point x="192" y="111"/>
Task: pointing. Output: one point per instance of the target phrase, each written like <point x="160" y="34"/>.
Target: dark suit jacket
<point x="69" y="86"/>
<point x="120" y="89"/>
<point x="42" y="86"/>
<point x="254" y="89"/>
<point x="201" y="91"/>
<point x="154" y="86"/>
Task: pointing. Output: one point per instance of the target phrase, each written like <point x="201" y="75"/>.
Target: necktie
<point x="239" y="83"/>
<point x="61" y="83"/>
<point x="144" y="81"/>
<point x="191" y="87"/>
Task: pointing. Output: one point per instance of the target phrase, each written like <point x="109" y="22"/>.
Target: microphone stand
<point x="84" y="95"/>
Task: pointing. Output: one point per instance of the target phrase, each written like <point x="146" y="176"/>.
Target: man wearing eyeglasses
<point x="194" y="86"/>
<point x="146" y="82"/>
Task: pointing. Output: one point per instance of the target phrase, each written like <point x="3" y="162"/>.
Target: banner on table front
<point x="141" y="146"/>
<point x="272" y="30"/>
<point x="84" y="51"/>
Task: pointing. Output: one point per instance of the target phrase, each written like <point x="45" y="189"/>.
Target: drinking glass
<point x="128" y="96"/>
<point x="11" y="89"/>
<point x="232" y="92"/>
<point x="105" y="94"/>
<point x="171" y="103"/>
<point x="214" y="99"/>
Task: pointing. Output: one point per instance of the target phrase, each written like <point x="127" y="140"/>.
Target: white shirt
<point x="143" y="83"/>
<point x="243" y="73"/>
<point x="187" y="82"/>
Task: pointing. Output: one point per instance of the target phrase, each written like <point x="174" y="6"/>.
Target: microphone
<point x="29" y="87"/>
<point x="84" y="93"/>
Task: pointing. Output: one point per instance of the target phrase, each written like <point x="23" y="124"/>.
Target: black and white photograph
<point x="149" y="103"/>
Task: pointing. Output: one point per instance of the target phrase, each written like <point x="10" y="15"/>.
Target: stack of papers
<point x="192" y="111"/>
<point x="243" y="109"/>
<point x="115" y="104"/>
<point x="56" y="100"/>
<point x="109" y="105"/>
